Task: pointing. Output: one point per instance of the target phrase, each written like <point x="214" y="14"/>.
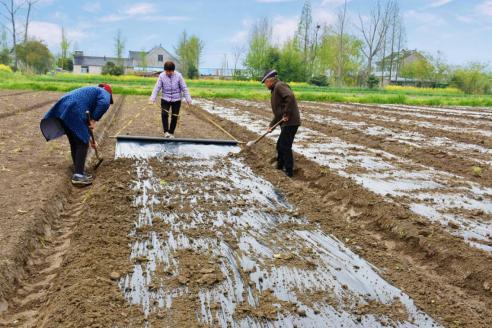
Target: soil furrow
<point x="443" y="275"/>
<point x="4" y="95"/>
<point x="480" y="120"/>
<point x="441" y="153"/>
<point x="182" y="241"/>
<point x="26" y="109"/>
<point x="37" y="173"/>
<point x="427" y="192"/>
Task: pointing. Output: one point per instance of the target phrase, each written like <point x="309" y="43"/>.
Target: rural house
<point x="137" y="61"/>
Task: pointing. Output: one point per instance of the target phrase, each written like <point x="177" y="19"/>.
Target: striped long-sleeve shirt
<point x="173" y="88"/>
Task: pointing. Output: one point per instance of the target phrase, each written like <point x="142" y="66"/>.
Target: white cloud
<point x="424" y="18"/>
<point x="113" y="18"/>
<point x="284" y="28"/>
<point x="241" y="37"/>
<point x="465" y="18"/>
<point x="92" y="7"/>
<point x="333" y="3"/>
<point x="50" y="33"/>
<point x="323" y="16"/>
<point x="142" y="11"/>
<point x="438" y="3"/>
<point x="142" y="8"/>
<point x="485" y="8"/>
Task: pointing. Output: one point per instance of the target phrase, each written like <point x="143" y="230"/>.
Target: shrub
<point x="411" y="89"/>
<point x="110" y="68"/>
<point x="5" y="69"/>
<point x="319" y="80"/>
<point x="372" y="81"/>
<point x="34" y="56"/>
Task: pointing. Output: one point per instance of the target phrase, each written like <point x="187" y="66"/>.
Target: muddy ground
<point x="34" y="176"/>
<point x="86" y="269"/>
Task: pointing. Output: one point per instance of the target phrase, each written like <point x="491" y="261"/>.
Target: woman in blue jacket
<point x="68" y="116"/>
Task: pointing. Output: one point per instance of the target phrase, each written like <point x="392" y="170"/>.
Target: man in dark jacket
<point x="284" y="107"/>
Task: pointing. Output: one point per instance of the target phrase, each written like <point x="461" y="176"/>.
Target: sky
<point x="461" y="29"/>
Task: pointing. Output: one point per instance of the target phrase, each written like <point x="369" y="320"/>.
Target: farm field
<point x="387" y="222"/>
<point x="248" y="90"/>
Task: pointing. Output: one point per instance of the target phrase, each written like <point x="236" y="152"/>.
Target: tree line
<point x="366" y="51"/>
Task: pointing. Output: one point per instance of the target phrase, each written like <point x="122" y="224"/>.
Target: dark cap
<point x="269" y="74"/>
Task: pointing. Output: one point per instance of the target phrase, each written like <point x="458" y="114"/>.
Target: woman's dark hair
<point x="169" y="66"/>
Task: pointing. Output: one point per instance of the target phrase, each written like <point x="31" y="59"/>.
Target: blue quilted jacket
<point x="69" y="112"/>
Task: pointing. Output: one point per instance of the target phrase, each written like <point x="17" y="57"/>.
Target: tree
<point x="340" y="57"/>
<point x="291" y="62"/>
<point x="419" y="69"/>
<point x="119" y="47"/>
<point x="195" y="51"/>
<point x="12" y="7"/>
<point x="30" y="4"/>
<point x="189" y="51"/>
<point x="237" y="54"/>
<point x="396" y="26"/>
<point x="401" y="44"/>
<point x="473" y="79"/>
<point x="441" y="68"/>
<point x="65" y="64"/>
<point x="35" y="56"/>
<point x="64" y="46"/>
<point x="304" y="30"/>
<point x="4" y="49"/>
<point x="330" y="56"/>
<point x="143" y="60"/>
<point x="374" y="30"/>
<point x="258" y="59"/>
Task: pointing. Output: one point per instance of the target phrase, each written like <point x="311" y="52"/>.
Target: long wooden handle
<point x="91" y="133"/>
<point x="273" y="127"/>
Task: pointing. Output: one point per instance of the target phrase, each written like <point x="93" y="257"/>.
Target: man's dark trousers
<point x="285" y="158"/>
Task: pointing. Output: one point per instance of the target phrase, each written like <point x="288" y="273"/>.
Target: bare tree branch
<point x="375" y="30"/>
<point x="12" y="8"/>
<point x="30" y="4"/>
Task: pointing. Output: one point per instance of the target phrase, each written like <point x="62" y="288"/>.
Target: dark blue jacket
<point x="69" y="112"/>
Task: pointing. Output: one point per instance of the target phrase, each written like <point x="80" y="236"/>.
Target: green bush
<point x="34" y="56"/>
<point x="473" y="79"/>
<point x="110" y="68"/>
<point x="319" y="80"/>
<point x="372" y="82"/>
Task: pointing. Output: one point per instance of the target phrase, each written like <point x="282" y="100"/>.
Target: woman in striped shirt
<point x="173" y="87"/>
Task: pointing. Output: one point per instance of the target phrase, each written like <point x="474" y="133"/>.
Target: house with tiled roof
<point x="137" y="61"/>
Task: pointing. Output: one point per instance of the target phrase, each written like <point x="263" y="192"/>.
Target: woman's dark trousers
<point x="166" y="106"/>
<point x="78" y="151"/>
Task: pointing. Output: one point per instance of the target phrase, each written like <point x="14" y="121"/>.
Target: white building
<point x="137" y="61"/>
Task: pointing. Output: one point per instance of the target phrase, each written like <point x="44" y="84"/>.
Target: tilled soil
<point x="181" y="242"/>
<point x="34" y="175"/>
<point x="20" y="103"/>
<point x="463" y="207"/>
<point x="425" y="146"/>
<point x="416" y="255"/>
